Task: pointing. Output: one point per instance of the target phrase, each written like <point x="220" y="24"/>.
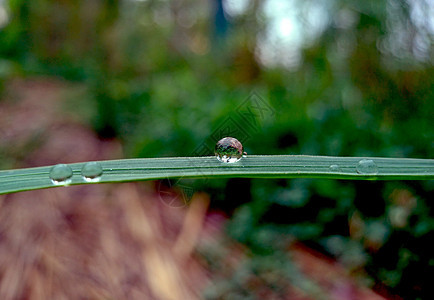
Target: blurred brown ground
<point x="115" y="241"/>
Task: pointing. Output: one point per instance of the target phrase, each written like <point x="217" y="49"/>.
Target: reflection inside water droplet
<point x="92" y="171"/>
<point x="61" y="174"/>
<point x="367" y="166"/>
<point x="229" y="150"/>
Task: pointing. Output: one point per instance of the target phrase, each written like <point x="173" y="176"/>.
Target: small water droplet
<point x="335" y="168"/>
<point x="92" y="171"/>
<point x="61" y="174"/>
<point x="367" y="166"/>
<point x="229" y="150"/>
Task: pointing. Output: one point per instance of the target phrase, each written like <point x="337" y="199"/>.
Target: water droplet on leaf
<point x="335" y="168"/>
<point x="367" y="166"/>
<point x="61" y="174"/>
<point x="92" y="171"/>
<point x="229" y="150"/>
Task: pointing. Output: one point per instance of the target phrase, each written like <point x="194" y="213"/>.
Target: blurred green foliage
<point x="164" y="76"/>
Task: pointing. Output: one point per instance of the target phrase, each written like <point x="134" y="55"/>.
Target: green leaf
<point x="253" y="166"/>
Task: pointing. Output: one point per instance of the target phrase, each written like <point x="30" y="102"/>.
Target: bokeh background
<point x="104" y="79"/>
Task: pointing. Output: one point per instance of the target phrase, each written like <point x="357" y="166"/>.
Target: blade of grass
<point x="253" y="166"/>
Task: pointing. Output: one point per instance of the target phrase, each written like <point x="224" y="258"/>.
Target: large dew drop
<point x="229" y="150"/>
<point x="61" y="174"/>
<point x="367" y="166"/>
<point x="92" y="171"/>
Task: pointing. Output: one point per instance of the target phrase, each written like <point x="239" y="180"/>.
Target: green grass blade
<point x="253" y="166"/>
